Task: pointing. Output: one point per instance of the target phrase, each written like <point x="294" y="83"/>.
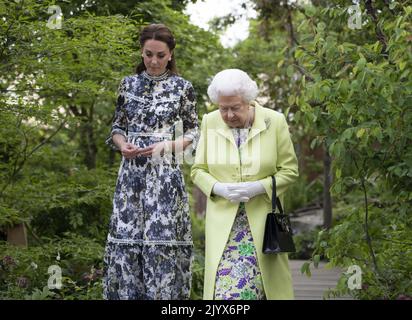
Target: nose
<point x="230" y="114"/>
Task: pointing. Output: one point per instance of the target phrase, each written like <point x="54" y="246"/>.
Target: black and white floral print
<point x="149" y="246"/>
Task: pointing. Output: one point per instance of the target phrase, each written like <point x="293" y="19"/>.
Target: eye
<point x="161" y="56"/>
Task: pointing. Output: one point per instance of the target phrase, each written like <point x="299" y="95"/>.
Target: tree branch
<point x="293" y="41"/>
<point x="379" y="33"/>
<point x="18" y="166"/>
<point x="366" y="221"/>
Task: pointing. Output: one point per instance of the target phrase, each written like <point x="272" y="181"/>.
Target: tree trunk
<point x="327" y="199"/>
<point x="17" y="235"/>
<point x="87" y="140"/>
<point x="112" y="157"/>
<point x="89" y="146"/>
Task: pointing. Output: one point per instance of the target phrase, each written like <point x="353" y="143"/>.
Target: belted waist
<point x="150" y="134"/>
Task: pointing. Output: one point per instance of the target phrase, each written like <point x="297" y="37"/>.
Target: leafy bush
<point x="301" y="193"/>
<point x="24" y="271"/>
<point x="81" y="202"/>
<point x="198" y="231"/>
<point x="384" y="253"/>
<point x="305" y="244"/>
<point x="356" y="98"/>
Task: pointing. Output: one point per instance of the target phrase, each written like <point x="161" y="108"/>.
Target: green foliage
<point x="198" y="235"/>
<point x="58" y="89"/>
<point x="345" y="245"/>
<point x="352" y="94"/>
<point x="265" y="60"/>
<point x="80" y="203"/>
<point x="346" y="90"/>
<point x="198" y="268"/>
<point x="305" y="244"/>
<point x="360" y="107"/>
<point x="9" y="217"/>
<point x="301" y="193"/>
<point x="24" y="271"/>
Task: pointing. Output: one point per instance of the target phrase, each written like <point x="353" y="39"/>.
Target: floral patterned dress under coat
<point x="149" y="245"/>
<point x="238" y="275"/>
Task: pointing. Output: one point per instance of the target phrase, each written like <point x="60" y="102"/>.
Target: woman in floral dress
<point x="149" y="246"/>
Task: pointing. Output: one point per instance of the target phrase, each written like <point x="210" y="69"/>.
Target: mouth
<point x="232" y="123"/>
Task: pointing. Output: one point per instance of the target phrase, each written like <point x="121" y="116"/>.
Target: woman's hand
<point x="157" y="149"/>
<point x="230" y="192"/>
<point x="249" y="189"/>
<point x="129" y="150"/>
<point x="240" y="191"/>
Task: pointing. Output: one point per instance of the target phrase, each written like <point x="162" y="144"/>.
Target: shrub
<point x="24" y="271"/>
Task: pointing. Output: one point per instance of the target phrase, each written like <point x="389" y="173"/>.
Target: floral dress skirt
<point x="238" y="275"/>
<point x="149" y="247"/>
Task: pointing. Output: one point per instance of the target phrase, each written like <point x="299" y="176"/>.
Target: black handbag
<point x="278" y="231"/>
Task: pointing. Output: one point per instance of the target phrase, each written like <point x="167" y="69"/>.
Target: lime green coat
<point x="268" y="150"/>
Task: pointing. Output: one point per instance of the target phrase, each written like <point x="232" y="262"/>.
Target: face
<point x="234" y="111"/>
<point x="156" y="55"/>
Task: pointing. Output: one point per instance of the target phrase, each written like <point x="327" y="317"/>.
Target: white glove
<point x="247" y="189"/>
<point x="230" y="192"/>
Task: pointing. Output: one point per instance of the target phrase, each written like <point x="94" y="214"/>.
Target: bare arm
<point x="119" y="140"/>
<point x="160" y="148"/>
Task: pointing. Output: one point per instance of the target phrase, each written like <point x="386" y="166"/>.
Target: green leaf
<point x="313" y="143"/>
<point x="291" y="100"/>
<point x="290" y="71"/>
<point x="298" y="53"/>
<point x="316" y="260"/>
<point x="321" y="26"/>
<point x="302" y="25"/>
<point x="360" y="132"/>
<point x="338" y="173"/>
<point x="360" y="65"/>
<point x="310" y="10"/>
<point x="305" y="269"/>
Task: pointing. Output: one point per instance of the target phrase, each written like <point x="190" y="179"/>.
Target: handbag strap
<point x="275" y="198"/>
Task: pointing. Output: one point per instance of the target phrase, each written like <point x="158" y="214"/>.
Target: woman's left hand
<point x="157" y="149"/>
<point x="248" y="189"/>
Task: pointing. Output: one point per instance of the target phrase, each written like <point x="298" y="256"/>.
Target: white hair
<point x="232" y="82"/>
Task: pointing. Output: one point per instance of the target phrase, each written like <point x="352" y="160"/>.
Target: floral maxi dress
<point x="149" y="247"/>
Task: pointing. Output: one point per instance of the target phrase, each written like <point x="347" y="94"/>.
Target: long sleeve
<point x="188" y="115"/>
<point x="287" y="164"/>
<point x="200" y="173"/>
<point x="119" y="124"/>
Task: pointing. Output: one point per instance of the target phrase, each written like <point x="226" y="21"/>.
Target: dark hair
<point x="161" y="33"/>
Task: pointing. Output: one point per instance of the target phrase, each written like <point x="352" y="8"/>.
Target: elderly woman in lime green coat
<point x="231" y="174"/>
